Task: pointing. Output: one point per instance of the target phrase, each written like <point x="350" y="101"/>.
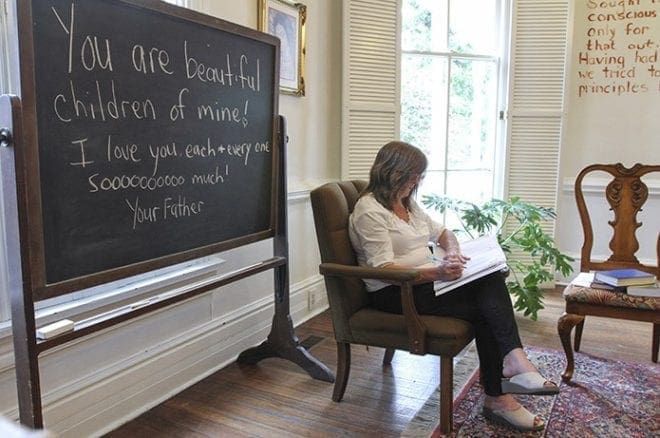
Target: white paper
<point x="583" y="279"/>
<point x="486" y="257"/>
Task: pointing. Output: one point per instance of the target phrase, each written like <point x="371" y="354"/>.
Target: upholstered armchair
<point x="355" y="322"/>
<point x="626" y="194"/>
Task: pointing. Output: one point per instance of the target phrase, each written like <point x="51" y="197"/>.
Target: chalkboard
<point x="153" y="130"/>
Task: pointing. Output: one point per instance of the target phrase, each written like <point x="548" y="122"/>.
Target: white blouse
<point x="380" y="237"/>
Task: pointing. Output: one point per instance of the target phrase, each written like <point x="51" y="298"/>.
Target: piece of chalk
<point x="55" y="329"/>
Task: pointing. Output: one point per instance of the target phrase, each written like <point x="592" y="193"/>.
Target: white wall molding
<point x="299" y="190"/>
<point x="298" y="195"/>
<point x="110" y="395"/>
<point x="597" y="186"/>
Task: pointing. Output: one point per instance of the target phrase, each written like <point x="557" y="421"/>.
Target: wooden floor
<point x="276" y="398"/>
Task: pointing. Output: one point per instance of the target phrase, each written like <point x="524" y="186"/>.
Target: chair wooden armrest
<point x="404" y="277"/>
<point x="384" y="274"/>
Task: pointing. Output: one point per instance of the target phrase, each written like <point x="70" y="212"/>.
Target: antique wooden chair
<point x="355" y="322"/>
<point x="626" y="193"/>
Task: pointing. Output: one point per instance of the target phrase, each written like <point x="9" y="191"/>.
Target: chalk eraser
<point x="54" y="329"/>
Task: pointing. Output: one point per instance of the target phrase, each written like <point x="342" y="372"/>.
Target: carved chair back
<point x="626" y="194"/>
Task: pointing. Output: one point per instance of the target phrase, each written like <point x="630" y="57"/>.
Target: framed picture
<point x="285" y="19"/>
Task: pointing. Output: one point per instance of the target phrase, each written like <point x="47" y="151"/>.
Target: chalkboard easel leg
<point x="26" y="356"/>
<point x="283" y="343"/>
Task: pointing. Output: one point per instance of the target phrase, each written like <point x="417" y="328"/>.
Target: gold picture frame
<point x="286" y="19"/>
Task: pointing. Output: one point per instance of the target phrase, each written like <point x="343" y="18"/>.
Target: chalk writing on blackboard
<point x="155" y="134"/>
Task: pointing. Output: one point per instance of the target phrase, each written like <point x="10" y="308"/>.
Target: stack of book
<point x="631" y="281"/>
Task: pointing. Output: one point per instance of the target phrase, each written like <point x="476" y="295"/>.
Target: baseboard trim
<point x="100" y="402"/>
<point x="189" y="368"/>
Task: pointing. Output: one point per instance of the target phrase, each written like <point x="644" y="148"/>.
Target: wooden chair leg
<point x="446" y="394"/>
<point x="389" y="354"/>
<point x="343" y="370"/>
<point x="578" y="335"/>
<point x="656" y="342"/>
<point x="565" y="325"/>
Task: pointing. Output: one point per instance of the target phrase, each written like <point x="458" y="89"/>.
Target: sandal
<point x="529" y="383"/>
<point x="519" y="419"/>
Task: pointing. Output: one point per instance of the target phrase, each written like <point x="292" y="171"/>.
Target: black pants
<point x="484" y="302"/>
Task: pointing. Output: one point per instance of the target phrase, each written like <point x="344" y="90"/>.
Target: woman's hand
<point x="451" y="268"/>
<point x="448" y="269"/>
<point x="456" y="257"/>
<point x="454" y="261"/>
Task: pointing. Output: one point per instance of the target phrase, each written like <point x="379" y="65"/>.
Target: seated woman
<point x="389" y="230"/>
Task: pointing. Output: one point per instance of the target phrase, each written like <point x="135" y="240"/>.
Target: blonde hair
<point x="395" y="164"/>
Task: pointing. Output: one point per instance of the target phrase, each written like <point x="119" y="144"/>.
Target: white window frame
<point x="504" y="32"/>
<point x="534" y="110"/>
<point x="371" y="109"/>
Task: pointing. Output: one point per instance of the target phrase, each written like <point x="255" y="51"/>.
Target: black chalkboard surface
<point x="153" y="130"/>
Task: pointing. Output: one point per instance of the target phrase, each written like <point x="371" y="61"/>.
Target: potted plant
<point x="531" y="254"/>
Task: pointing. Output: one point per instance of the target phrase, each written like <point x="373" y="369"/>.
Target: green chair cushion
<point x="445" y="336"/>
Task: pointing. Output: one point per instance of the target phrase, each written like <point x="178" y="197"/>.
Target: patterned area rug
<point x="426" y="419"/>
<point x="604" y="399"/>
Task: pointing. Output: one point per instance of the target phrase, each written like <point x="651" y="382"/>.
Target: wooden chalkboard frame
<point x="33" y="248"/>
<point x="19" y="168"/>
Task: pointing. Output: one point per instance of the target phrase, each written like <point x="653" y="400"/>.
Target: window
<point x="451" y="61"/>
<point x="387" y="44"/>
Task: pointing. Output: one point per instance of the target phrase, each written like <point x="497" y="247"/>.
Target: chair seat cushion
<point x="581" y="294"/>
<point x="445" y="335"/>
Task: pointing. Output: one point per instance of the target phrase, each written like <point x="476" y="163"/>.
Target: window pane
<point x="453" y="222"/>
<point x="424" y="105"/>
<point x="471" y="32"/>
<point x="432" y="184"/>
<point x="472" y="114"/>
<point x="449" y="92"/>
<point x="424" y="25"/>
<point x="471" y="186"/>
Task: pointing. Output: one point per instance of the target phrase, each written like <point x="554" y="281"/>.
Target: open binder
<point x="486" y="257"/>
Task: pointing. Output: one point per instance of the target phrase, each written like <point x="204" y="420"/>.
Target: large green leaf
<point x="518" y="226"/>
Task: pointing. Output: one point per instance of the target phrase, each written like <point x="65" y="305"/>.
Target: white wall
<point x="610" y="116"/>
<point x="92" y="385"/>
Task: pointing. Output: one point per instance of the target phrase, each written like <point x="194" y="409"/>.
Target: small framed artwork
<point x="285" y="19"/>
